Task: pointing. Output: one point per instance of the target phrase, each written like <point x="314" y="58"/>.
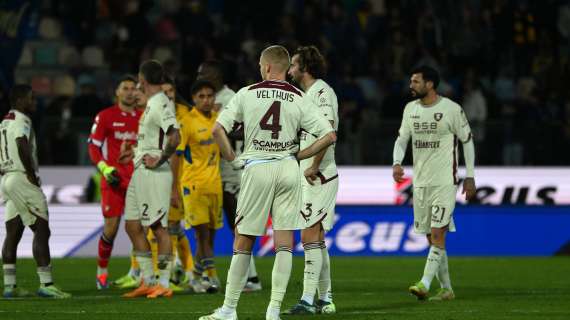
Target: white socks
<point x="44" y="273"/>
<point x="443" y="272"/>
<point x="325" y="288"/>
<point x="432" y="265"/>
<point x="252" y="273"/>
<point x="237" y="277"/>
<point x="280" y="278"/>
<point x="145" y="262"/>
<point x="164" y="266"/>
<point x="9" y="275"/>
<point x="313" y="268"/>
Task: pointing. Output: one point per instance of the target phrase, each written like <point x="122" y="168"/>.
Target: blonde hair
<point x="277" y="56"/>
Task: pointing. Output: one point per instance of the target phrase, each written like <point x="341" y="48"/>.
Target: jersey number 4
<point x="4" y="146"/>
<point x="272" y="125"/>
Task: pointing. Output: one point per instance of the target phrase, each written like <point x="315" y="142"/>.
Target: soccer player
<point x="201" y="181"/>
<point x="178" y="237"/>
<point x="273" y="112"/>
<point x="26" y="204"/>
<point x="319" y="183"/>
<point x="148" y="194"/>
<point x="213" y="72"/>
<point x="436" y="125"/>
<point x="114" y="127"/>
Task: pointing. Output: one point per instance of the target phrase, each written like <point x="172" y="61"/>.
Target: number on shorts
<point x="435" y="211"/>
<point x="145" y="213"/>
<point x="274" y="113"/>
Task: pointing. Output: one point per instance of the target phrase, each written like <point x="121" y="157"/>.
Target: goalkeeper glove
<point x="109" y="173"/>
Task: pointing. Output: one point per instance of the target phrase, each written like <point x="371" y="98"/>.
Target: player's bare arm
<point x="175" y="194"/>
<point x="223" y="141"/>
<point x="172" y="141"/>
<point x="311" y="172"/>
<point x="469" y="188"/>
<point x="317" y="146"/>
<point x="24" y="151"/>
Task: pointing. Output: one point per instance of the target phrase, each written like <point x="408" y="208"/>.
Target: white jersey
<point x="325" y="99"/>
<point x="16" y="125"/>
<point x="435" y="131"/>
<point x="273" y="113"/>
<point x="229" y="174"/>
<point x="158" y="116"/>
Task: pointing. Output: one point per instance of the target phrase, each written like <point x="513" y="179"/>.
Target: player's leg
<point x="14" y="230"/>
<point x="41" y="252"/>
<point x="137" y="209"/>
<point x="325" y="303"/>
<point x="286" y="218"/>
<point x="422" y="225"/>
<point x="160" y="230"/>
<point x="113" y="204"/>
<point x="254" y="204"/>
<point x="185" y="254"/>
<point x="216" y="222"/>
<point x="230" y="207"/>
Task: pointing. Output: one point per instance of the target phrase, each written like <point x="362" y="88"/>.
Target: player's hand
<point x="311" y="175"/>
<point x="109" y="173"/>
<point x="469" y="188"/>
<point x="150" y="162"/>
<point x="237" y="164"/>
<point x="126" y="153"/>
<point x="398" y="173"/>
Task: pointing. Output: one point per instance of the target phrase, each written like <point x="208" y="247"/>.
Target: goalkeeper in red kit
<point x="112" y="138"/>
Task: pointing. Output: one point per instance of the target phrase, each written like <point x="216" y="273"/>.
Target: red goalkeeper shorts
<point x="113" y="201"/>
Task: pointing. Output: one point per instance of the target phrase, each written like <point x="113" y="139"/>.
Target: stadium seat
<point x="50" y="29"/>
<point x="92" y="56"/>
<point x="64" y="85"/>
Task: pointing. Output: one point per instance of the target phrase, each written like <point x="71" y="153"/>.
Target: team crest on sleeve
<point x="437" y="116"/>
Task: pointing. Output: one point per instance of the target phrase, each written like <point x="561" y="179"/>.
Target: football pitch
<point x="363" y="288"/>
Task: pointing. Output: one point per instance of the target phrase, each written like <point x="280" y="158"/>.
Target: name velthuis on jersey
<point x="275" y="94"/>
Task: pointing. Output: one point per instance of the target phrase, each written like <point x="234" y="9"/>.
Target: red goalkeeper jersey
<point x="112" y="126"/>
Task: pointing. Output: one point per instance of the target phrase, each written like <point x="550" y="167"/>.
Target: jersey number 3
<point x="273" y="113"/>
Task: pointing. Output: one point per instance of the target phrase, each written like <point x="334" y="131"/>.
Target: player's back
<point x="272" y="114"/>
<point x="15" y="125"/>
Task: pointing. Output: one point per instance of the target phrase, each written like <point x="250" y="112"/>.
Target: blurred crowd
<point x="506" y="62"/>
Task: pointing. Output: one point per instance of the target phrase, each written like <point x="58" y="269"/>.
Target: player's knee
<point x="310" y="235"/>
<point x="174" y="229"/>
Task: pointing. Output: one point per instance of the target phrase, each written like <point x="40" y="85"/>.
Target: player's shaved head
<point x="22" y="98"/>
<point x="277" y="57"/>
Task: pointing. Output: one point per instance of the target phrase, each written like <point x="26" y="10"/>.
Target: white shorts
<point x="23" y="199"/>
<point x="270" y="188"/>
<point x="319" y="201"/>
<point x="433" y="208"/>
<point x="148" y="195"/>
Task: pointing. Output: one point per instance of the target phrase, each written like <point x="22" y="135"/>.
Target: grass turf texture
<point x="364" y="288"/>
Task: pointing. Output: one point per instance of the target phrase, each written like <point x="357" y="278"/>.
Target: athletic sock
<point x="236" y="279"/>
<point x="164" y="266"/>
<point x="135" y="269"/>
<point x="185" y="253"/>
<point x="325" y="287"/>
<point x="153" y="249"/>
<point x="432" y="265"/>
<point x="144" y="258"/>
<point x="209" y="267"/>
<point x="104" y="254"/>
<point x="252" y="272"/>
<point x="9" y="276"/>
<point x="280" y="277"/>
<point x="44" y="273"/>
<point x="313" y="267"/>
<point x="198" y="270"/>
<point x="443" y="272"/>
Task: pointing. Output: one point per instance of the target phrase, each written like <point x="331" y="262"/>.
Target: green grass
<point x="364" y="288"/>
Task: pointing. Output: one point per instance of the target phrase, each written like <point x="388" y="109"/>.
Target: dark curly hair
<point x="312" y="61"/>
